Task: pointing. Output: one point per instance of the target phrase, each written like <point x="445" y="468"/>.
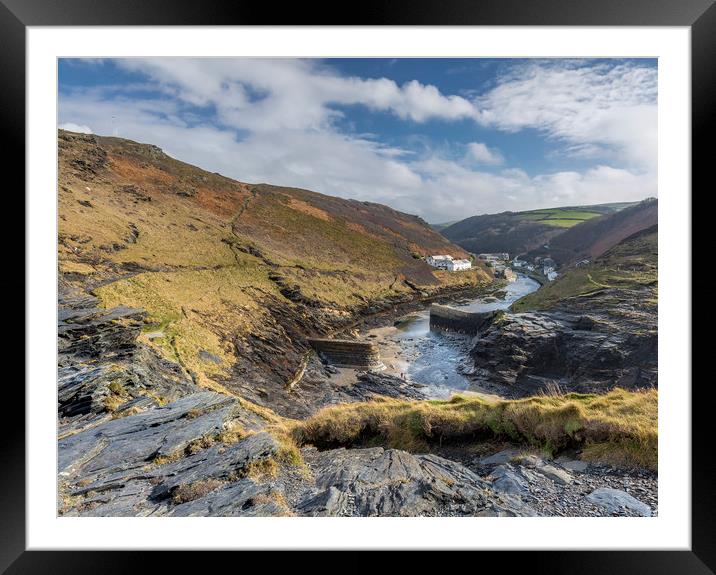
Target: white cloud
<point x="599" y="110"/>
<point x="274" y="121"/>
<point x="75" y="128"/>
<point x="278" y="94"/>
<point x="482" y="154"/>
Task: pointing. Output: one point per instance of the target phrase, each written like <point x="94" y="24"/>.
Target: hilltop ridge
<point x="594" y="237"/>
<point x="521" y="232"/>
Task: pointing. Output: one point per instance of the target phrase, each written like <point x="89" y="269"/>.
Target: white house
<point x="440" y="262"/>
<point x="552" y="275"/>
<point x="458" y="265"/>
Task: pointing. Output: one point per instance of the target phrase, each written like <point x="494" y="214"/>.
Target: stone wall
<point x="447" y="318"/>
<point x="347" y="353"/>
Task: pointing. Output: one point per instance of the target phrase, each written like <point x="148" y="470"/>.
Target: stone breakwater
<point x="447" y="318"/>
<point x="347" y="353"/>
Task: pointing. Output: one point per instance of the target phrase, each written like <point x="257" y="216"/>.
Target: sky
<point x="441" y="138"/>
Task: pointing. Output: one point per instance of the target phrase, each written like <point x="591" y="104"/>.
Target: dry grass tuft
<point x="261" y="469"/>
<point x="619" y="427"/>
<point x="191" y="491"/>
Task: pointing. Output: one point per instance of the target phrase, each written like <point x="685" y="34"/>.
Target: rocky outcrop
<point x="616" y="501"/>
<point x="373" y="384"/>
<point x="85" y="330"/>
<point x="380" y="482"/>
<point x="89" y="158"/>
<point x="567" y="486"/>
<point x="577" y="350"/>
<point x="102" y="371"/>
<point x="132" y="465"/>
<point x="443" y="317"/>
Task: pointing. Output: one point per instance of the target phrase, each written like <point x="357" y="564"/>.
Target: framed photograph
<point x="416" y="281"/>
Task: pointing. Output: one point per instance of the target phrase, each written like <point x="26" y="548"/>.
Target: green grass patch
<point x="559" y="217"/>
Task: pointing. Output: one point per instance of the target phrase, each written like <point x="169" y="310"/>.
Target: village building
<point x="458" y="265"/>
<point x="552" y="275"/>
<point x="440" y="262"/>
<point x="445" y="262"/>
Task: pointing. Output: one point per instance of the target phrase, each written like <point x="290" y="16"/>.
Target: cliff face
<point x="232" y="277"/>
<point x="593" y="329"/>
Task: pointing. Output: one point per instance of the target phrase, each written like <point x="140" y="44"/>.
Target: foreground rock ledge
<point x="107" y="471"/>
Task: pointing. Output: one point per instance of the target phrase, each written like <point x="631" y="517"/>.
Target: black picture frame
<point x="699" y="15"/>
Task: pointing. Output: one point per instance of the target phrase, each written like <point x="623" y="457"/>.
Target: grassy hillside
<point x="629" y="266"/>
<point x="519" y="232"/>
<point x="562" y="217"/>
<point x="441" y="227"/>
<point x="233" y="275"/>
<point x="594" y="237"/>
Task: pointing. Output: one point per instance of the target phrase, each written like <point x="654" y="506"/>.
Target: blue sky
<point x="441" y="138"/>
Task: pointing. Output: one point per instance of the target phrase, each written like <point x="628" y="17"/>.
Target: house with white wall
<point x="440" y="262"/>
<point x="459" y="265"/>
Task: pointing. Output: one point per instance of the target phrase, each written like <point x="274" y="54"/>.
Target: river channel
<point x="438" y="361"/>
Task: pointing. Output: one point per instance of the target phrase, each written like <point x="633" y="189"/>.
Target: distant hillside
<point x="440" y="227"/>
<point x="520" y="232"/>
<point x="628" y="271"/>
<point x="233" y="275"/>
<point x="594" y="237"/>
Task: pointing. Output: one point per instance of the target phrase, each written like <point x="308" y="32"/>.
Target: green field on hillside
<point x="560" y="217"/>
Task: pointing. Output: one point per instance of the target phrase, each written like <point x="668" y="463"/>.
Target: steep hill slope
<point x="628" y="268"/>
<point x="519" y="232"/>
<point x="233" y="276"/>
<point x="592" y="329"/>
<point x="594" y="237"/>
